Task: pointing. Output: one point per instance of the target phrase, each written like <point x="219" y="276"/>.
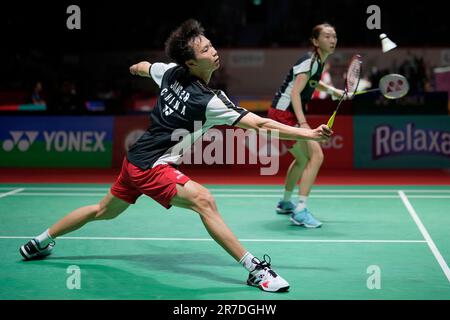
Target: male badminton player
<point x="289" y="107"/>
<point x="150" y="167"/>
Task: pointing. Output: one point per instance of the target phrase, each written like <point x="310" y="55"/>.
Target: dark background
<point x="37" y="46"/>
<point x="125" y="25"/>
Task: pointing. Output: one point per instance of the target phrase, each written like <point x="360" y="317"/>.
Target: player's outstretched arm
<point x="141" y="69"/>
<point x="252" y="121"/>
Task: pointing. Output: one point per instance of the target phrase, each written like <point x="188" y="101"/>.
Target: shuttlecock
<point x="386" y="43"/>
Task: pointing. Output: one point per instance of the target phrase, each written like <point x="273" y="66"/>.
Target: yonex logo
<point x="59" y="141"/>
<point x="395" y="86"/>
<point x="22" y="139"/>
<point x="167" y="110"/>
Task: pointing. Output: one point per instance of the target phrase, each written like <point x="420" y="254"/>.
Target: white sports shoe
<point x="265" y="278"/>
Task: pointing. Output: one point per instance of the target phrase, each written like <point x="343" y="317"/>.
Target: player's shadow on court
<point x="176" y="263"/>
<point x="113" y="282"/>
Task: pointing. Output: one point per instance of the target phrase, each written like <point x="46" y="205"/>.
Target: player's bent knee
<point x="104" y="213"/>
<point x="205" y="203"/>
<point x="317" y="156"/>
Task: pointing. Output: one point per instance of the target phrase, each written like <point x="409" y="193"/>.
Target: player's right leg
<point x="108" y="208"/>
<point x="194" y="196"/>
<point x="122" y="194"/>
<point x="313" y="152"/>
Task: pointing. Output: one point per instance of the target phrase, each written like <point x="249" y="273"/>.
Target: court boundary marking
<point x="273" y="190"/>
<point x="212" y="240"/>
<point x="227" y="195"/>
<point x="18" y="191"/>
<point x="12" y="192"/>
<point x="437" y="254"/>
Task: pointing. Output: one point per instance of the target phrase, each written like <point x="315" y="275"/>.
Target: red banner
<point x="237" y="150"/>
<point x="338" y="151"/>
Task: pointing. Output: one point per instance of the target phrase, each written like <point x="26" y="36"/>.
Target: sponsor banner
<point x="127" y="129"/>
<point x="59" y="141"/>
<point x="402" y="142"/>
<point x="338" y="151"/>
<point x="238" y="149"/>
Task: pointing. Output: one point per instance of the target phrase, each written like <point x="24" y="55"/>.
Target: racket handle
<point x="331" y="120"/>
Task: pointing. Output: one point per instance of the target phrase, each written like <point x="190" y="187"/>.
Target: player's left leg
<point x="302" y="215"/>
<point x="315" y="155"/>
<point x="194" y="196"/>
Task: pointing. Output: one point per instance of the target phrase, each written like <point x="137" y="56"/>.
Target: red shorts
<point x="284" y="117"/>
<point x="159" y="183"/>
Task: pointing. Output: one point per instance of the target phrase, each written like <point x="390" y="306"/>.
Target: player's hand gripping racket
<point x="391" y="86"/>
<point x="351" y="84"/>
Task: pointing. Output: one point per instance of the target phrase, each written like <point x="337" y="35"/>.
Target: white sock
<point x="44" y="239"/>
<point x="287" y="195"/>
<point x="247" y="262"/>
<point x="301" y="203"/>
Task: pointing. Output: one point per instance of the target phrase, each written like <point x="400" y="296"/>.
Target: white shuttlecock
<point x="386" y="43"/>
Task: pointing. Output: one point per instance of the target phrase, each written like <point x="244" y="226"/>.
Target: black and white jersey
<point x="310" y="64"/>
<point x="185" y="103"/>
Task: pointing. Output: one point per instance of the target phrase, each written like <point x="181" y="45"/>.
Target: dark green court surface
<point x="383" y="242"/>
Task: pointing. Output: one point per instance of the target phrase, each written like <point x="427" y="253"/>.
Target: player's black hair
<point x="179" y="44"/>
<point x="315" y="35"/>
<point x="318" y="29"/>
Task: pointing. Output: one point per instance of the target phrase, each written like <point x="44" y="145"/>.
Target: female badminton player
<point x="289" y="107"/>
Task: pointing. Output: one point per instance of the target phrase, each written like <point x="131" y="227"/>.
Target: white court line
<point x="425" y="234"/>
<point x="60" y="194"/>
<point x="276" y="190"/>
<point x="430" y="197"/>
<point x="59" y="188"/>
<point x="337" y="190"/>
<point x="231" y="195"/>
<point x="209" y="239"/>
<point x="10" y="193"/>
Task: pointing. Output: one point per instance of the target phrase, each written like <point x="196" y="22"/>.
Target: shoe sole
<point x="304" y="224"/>
<point x="280" y="211"/>
<point x="282" y="289"/>
<point x="22" y="252"/>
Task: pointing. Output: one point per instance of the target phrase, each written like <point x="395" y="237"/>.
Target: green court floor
<point x="383" y="242"/>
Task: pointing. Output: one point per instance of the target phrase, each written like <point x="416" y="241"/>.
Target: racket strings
<point x="353" y="75"/>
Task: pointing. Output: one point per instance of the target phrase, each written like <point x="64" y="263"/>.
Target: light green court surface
<point x="151" y="253"/>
